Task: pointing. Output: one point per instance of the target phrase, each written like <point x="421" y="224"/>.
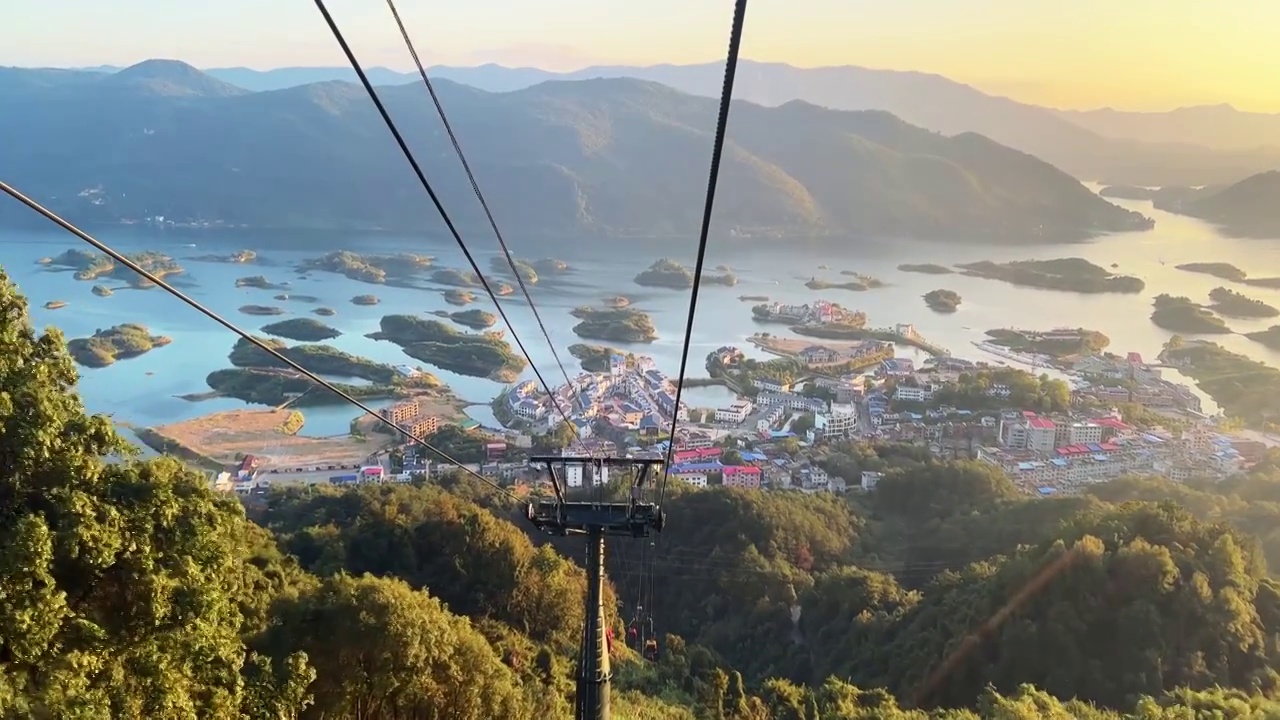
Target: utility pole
<point x="596" y="520"/>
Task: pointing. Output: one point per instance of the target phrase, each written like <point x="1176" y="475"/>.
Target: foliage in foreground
<point x="129" y="590"/>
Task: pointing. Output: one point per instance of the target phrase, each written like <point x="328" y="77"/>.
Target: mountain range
<point x="1187" y="146"/>
<point x="622" y="157"/>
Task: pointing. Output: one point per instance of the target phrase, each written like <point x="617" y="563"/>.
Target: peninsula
<point x="1227" y="271"/>
<point x="1070" y="274"/>
<point x="115" y="343"/>
<point x="302" y="329"/>
<point x="1058" y="343"/>
<point x="618" y="325"/>
<point x="942" y="300"/>
<point x="485" y="355"/>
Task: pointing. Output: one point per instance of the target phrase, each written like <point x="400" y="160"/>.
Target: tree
<point x="118" y="582"/>
<point x="731" y="457"/>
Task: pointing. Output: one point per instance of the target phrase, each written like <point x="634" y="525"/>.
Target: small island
<point x="1070" y="274"/>
<point x="369" y="268"/>
<point x="55" y="304"/>
<point x="476" y="319"/>
<point x="1227" y="271"/>
<point x="453" y="276"/>
<point x="102" y="291"/>
<point x="1058" y="343"/>
<point x="858" y="284"/>
<point x="754" y="298"/>
<point x="92" y="266"/>
<point x="1223" y="270"/>
<point x="115" y="343"/>
<point x="261" y="310"/>
<point x="459" y="297"/>
<point x="666" y="273"/>
<point x="621" y="325"/>
<point x="551" y="266"/>
<point x="594" y="358"/>
<point x="1181" y="315"/>
<point x="365" y="300"/>
<point x="926" y="268"/>
<point x="257" y="281"/>
<point x="727" y="279"/>
<point x="942" y="300"/>
<point x="302" y="329"/>
<point x="1230" y="302"/>
<point x="325" y="311"/>
<point x="283" y="297"/>
<point x="485" y="355"/>
<point x="616" y="301"/>
<point x="238" y="257"/>
<point x="526" y="272"/>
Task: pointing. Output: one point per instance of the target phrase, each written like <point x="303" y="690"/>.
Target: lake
<point x="603" y="268"/>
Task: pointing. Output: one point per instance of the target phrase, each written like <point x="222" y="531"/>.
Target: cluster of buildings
<point x="630" y="396"/>
<point x="1130" y="380"/>
<point x="408" y="416"/>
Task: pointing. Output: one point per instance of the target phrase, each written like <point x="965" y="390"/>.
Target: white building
<point x="735" y="413"/>
<point x="840" y="422"/>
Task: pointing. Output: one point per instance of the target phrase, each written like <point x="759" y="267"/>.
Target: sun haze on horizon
<point x="1135" y="55"/>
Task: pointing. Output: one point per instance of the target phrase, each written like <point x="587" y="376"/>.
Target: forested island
<point x="1180" y="314"/>
<point x="942" y="300"/>
<point x="261" y="310"/>
<point x="1138" y="599"/>
<point x="666" y="273"/>
<point x="551" y="266"/>
<point x="91" y="265"/>
<point x="1269" y="337"/>
<point x="1058" y="343"/>
<point x="616" y="301"/>
<point x="454" y="296"/>
<point x="257" y="281"/>
<point x="101" y="291"/>
<point x="365" y="300"/>
<point x="926" y="268"/>
<point x="238" y="257"/>
<point x="594" y="358"/>
<point x="1230" y="302"/>
<point x="476" y="318"/>
<point x="1227" y="271"/>
<point x="485" y="355"/>
<point x="618" y="325"/>
<point x="114" y="343"/>
<point x="858" y="284"/>
<point x="527" y="273"/>
<point x="369" y="268"/>
<point x="1223" y="270"/>
<point x="1070" y="274"/>
<point x="302" y="329"/>
<point x="454" y="276"/>
<point x="325" y="311"/>
<point x="55" y="304"/>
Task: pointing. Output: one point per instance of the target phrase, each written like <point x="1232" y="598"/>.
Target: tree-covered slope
<point x="615" y="157"/>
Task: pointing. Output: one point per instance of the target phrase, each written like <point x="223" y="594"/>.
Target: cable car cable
<point x="722" y="120"/>
<point x="475" y="186"/>
<point x="159" y="282"/>
<point x="426" y="185"/>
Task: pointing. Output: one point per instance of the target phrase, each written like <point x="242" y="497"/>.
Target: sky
<point x="1127" y="54"/>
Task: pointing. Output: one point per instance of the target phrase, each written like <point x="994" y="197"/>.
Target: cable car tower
<point x="597" y="520"/>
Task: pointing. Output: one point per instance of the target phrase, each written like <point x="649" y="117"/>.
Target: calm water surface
<point x="143" y="390"/>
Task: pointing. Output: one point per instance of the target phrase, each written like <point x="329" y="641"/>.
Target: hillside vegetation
<point x="605" y="156"/>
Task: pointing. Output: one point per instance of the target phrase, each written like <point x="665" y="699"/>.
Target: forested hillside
<point x="130" y="590"/>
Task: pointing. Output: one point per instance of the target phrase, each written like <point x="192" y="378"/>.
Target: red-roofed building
<point x="744" y="476"/>
<point x="698" y="455"/>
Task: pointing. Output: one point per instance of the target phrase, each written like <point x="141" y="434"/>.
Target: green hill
<point x="607" y="156"/>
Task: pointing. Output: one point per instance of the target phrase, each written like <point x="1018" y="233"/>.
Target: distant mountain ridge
<point x="1184" y="147"/>
<point x="619" y="157"/>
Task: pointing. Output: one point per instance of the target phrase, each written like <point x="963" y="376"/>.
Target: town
<point x="1106" y="416"/>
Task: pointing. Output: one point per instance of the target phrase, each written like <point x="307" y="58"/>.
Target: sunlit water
<point x="603" y="268"/>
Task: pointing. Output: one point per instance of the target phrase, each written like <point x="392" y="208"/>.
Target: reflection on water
<point x="764" y="268"/>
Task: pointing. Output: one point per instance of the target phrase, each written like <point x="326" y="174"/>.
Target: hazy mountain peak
<point x="172" y="78"/>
